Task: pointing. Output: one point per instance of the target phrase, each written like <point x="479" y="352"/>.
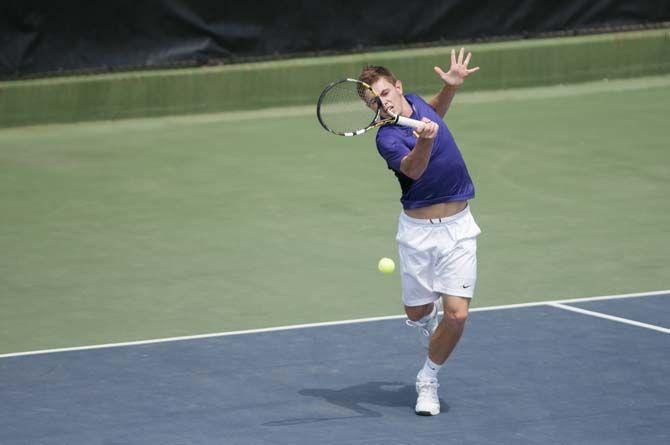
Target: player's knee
<point x="416" y="313"/>
<point x="458" y="317"/>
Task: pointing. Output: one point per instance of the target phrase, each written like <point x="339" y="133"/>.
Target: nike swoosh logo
<point x="466" y="286"/>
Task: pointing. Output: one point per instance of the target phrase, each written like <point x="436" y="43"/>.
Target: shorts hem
<point x="421" y="301"/>
<point x="456" y="293"/>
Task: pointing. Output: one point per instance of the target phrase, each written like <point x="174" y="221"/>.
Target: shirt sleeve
<point x="392" y="150"/>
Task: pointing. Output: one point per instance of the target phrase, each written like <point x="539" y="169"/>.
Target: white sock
<point x="429" y="370"/>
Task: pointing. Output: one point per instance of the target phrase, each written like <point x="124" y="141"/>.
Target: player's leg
<point x="442" y="343"/>
<point x="416" y="313"/>
<point x="449" y="331"/>
<point x="455" y="274"/>
<point x="455" y="278"/>
<point x="425" y="317"/>
<point x="416" y="262"/>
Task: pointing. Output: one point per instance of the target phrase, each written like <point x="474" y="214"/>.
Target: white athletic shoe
<point x="427" y="402"/>
<point x="427" y="328"/>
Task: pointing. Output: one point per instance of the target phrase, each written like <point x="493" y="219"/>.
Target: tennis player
<point x="437" y="234"/>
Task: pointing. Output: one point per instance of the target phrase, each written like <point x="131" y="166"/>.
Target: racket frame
<point x="392" y="119"/>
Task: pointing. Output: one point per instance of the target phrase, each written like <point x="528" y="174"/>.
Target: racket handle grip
<point x="407" y="122"/>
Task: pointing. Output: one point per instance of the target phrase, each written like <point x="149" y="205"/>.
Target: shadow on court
<point x="389" y="394"/>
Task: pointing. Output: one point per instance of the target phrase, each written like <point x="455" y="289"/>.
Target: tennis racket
<point x="350" y="107"/>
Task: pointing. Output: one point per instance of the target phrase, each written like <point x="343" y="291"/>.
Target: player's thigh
<point x="416" y="255"/>
<point x="456" y="269"/>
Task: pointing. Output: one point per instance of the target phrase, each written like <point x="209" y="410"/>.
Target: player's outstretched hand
<point x="429" y="130"/>
<point x="458" y="71"/>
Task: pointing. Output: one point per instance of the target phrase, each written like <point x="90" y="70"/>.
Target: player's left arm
<point x="453" y="79"/>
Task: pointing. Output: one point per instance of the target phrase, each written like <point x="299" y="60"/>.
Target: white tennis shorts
<point x="437" y="256"/>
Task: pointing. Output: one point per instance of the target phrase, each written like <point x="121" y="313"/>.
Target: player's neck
<point x="407" y="109"/>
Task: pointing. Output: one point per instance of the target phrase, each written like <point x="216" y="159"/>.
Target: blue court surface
<point x="527" y="374"/>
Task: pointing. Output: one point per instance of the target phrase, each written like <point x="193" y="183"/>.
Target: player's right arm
<point x="414" y="164"/>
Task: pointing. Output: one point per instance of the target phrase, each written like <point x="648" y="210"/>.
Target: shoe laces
<point x="428" y="388"/>
<point x="421" y="326"/>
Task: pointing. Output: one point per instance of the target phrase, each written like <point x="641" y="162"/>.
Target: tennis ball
<point x="386" y="266"/>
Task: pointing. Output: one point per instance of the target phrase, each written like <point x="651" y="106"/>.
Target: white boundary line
<point x="610" y="317"/>
<point x="329" y="323"/>
<point x="572" y="300"/>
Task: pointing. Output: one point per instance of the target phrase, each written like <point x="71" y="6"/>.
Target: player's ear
<point x="398" y="86"/>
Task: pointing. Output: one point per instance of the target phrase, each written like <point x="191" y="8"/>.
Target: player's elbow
<point x="412" y="170"/>
<point x="414" y="165"/>
<point x="413" y="173"/>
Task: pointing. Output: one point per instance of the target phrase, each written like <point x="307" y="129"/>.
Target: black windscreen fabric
<point x="80" y="36"/>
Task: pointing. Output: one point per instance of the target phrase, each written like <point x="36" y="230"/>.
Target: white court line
<point x="610" y="317"/>
<point x="328" y="323"/>
<point x="572" y="300"/>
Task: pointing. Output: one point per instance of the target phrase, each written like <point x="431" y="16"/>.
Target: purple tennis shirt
<point x="446" y="177"/>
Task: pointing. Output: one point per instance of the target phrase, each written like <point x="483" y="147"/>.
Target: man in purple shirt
<point x="437" y="234"/>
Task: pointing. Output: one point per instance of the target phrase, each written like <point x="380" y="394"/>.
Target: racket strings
<point x="343" y="109"/>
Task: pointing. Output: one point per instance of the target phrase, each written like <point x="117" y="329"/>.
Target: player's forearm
<point x="414" y="164"/>
<point x="442" y="99"/>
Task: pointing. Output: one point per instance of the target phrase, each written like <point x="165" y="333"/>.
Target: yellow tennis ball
<point x="386" y="266"/>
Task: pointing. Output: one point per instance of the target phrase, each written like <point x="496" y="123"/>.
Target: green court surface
<point x="139" y="229"/>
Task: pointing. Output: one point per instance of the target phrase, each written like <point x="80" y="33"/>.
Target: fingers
<point x="422" y="128"/>
<point x="460" y="60"/>
<point x="439" y="71"/>
<point x="429" y="131"/>
<point x="473" y="70"/>
<point x="467" y="59"/>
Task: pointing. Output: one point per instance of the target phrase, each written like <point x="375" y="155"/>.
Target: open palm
<point x="458" y="71"/>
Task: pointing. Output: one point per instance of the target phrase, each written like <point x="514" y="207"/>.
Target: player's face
<point x="390" y="94"/>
